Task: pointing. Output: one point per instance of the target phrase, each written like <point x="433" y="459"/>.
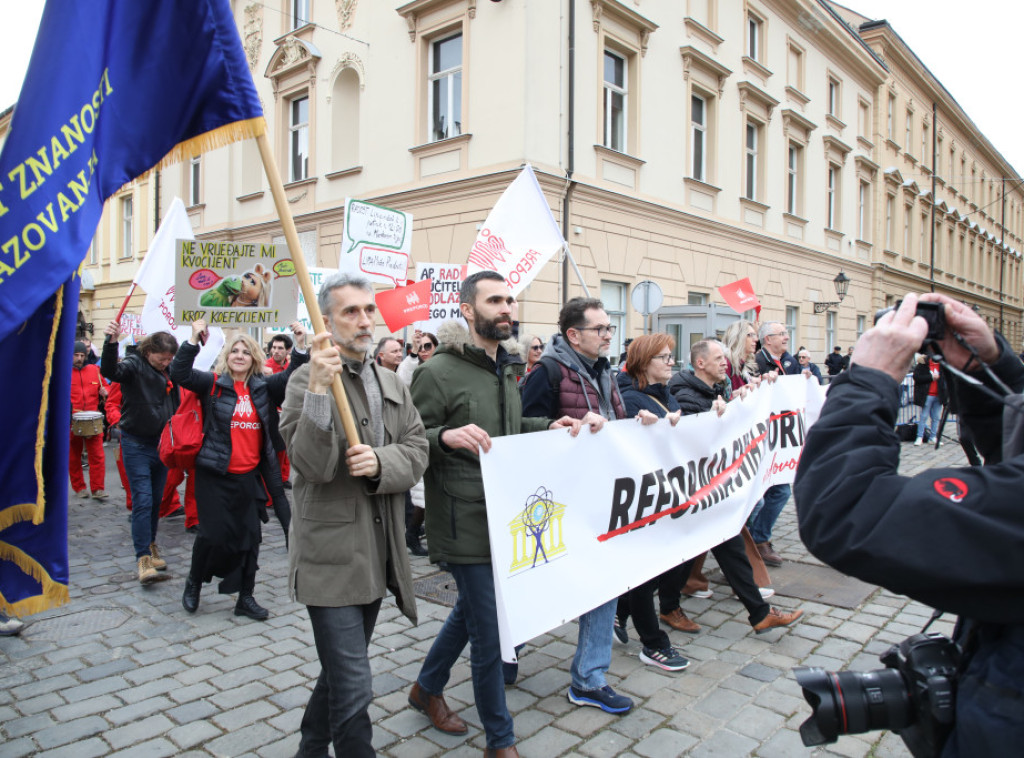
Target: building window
<point x="445" y="85"/>
<point x="833" y="97"/>
<point x="862" y="325"/>
<point x="890" y="123"/>
<point x="298" y="139"/>
<point x="793" y="174"/>
<point x="194" y="165"/>
<point x="830" y="329"/>
<point x="613" y="295"/>
<point x="755" y="37"/>
<point x="300" y="13"/>
<point x="832" y="197"/>
<point x="698" y="130"/>
<point x="127" y="236"/>
<point x="615" y="101"/>
<point x="863" y="210"/>
<point x="890" y="211"/>
<point x="752" y="145"/>
<point x="696" y="298"/>
<point x="92" y="251"/>
<point x="793" y="325"/>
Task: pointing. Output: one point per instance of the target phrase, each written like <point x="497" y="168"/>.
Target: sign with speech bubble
<point x="376" y="242"/>
<point x="234" y="284"/>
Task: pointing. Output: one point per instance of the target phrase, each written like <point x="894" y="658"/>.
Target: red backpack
<point x="182" y="437"/>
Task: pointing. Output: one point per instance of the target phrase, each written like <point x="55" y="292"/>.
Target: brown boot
<point x="768" y="554"/>
<point x="678" y="620"/>
<point x="501" y="752"/>
<point x="442" y="718"/>
<point x="776" y="618"/>
<point x="147" y="574"/>
<point x="154" y="557"/>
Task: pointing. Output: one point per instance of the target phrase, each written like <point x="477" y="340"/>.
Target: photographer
<point x="952" y="538"/>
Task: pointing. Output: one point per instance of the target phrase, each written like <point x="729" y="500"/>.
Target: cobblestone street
<point x="124" y="670"/>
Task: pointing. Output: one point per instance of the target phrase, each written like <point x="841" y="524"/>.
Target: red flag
<point x="740" y="296"/>
<point x="404" y="305"/>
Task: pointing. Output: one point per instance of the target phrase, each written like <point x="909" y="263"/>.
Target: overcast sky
<point x="973" y="48"/>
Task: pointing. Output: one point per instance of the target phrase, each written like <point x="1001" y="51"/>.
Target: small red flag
<point x="740" y="296"/>
<point x="404" y="305"/>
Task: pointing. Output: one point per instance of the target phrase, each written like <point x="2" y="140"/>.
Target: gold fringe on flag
<point x="16" y="514"/>
<point x="249" y="129"/>
<point x="54" y="594"/>
<point x="40" y="513"/>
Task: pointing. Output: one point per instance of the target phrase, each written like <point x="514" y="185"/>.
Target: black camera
<point x="933" y="313"/>
<point x="914" y="696"/>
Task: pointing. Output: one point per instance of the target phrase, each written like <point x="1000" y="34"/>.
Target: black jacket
<point x="692" y="394"/>
<point x="834" y="363"/>
<point x="857" y="514"/>
<point x="766" y="364"/>
<point x="654" y="397"/>
<point x="148" y="397"/>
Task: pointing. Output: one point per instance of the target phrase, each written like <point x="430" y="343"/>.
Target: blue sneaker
<point x="605" y="698"/>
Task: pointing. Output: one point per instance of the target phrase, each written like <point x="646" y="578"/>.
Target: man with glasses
<point x="574" y="378"/>
<point x="771" y="357"/>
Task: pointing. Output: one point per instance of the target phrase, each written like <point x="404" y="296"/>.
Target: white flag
<point x="156" y="276"/>
<point x="519" y="236"/>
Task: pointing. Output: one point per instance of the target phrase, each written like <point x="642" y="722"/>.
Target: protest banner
<point x="131" y="325"/>
<point x="653" y="496"/>
<point x="377" y="242"/>
<point x="446" y="281"/>
<point x="404" y="305"/>
<point x="739" y="296"/>
<point x="316" y="276"/>
<point x="519" y="236"/>
<point x="234" y="284"/>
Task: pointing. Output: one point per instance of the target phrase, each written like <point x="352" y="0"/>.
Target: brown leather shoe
<point x="678" y="620"/>
<point x="776" y="618"/>
<point x="768" y="554"/>
<point x="442" y="718"/>
<point x="501" y="752"/>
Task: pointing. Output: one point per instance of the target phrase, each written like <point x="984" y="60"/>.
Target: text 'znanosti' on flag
<point x="113" y="89"/>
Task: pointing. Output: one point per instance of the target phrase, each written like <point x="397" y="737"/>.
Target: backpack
<point x="182" y="437"/>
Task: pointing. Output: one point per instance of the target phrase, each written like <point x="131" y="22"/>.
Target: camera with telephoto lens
<point x="914" y="696"/>
<point x="933" y="313"/>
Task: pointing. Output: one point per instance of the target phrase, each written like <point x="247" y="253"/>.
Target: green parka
<point x="461" y="385"/>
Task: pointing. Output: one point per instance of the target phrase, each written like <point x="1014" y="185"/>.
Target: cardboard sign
<point x="234" y="284"/>
<point x="376" y="242"/>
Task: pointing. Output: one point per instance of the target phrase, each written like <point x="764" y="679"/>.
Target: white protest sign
<point x="447" y="280"/>
<point x="131" y="325"/>
<point x="376" y="242"/>
<point x="234" y="284"/>
<point x="651" y="497"/>
<point x="316" y="276"/>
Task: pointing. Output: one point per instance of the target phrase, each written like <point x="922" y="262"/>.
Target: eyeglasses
<point x="667" y="358"/>
<point x="536" y="347"/>
<point x="426" y="347"/>
<point x="602" y="331"/>
<point x="778" y="334"/>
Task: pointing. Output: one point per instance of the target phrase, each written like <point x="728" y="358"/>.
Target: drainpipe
<point x="571" y="162"/>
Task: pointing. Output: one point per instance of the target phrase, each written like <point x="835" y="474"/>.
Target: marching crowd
<point x="359" y="507"/>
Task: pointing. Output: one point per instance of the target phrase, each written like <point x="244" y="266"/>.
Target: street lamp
<point x="842" y="285"/>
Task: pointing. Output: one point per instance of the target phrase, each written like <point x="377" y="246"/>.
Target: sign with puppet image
<point x="234" y="284"/>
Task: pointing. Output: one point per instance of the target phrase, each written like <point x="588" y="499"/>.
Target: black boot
<point x="414" y="545"/>
<point x="190" y="598"/>
<point x="247" y="606"/>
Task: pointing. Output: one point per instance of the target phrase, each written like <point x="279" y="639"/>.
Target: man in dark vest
<point x="573" y="378"/>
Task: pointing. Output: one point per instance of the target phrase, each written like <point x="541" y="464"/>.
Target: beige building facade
<point x="708" y="140"/>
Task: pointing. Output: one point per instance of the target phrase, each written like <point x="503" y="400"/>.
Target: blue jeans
<point x="337" y="710"/>
<point x="930" y="413"/>
<point x="146" y="477"/>
<point x="594" y="647"/>
<point x="474" y="619"/>
<point x="767" y="511"/>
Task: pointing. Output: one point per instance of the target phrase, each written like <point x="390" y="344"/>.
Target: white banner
<point x="156" y="277"/>
<point x="446" y="281"/>
<point x="316" y="276"/>
<point x="576" y="522"/>
<point x="376" y="242"/>
<point x="519" y="236"/>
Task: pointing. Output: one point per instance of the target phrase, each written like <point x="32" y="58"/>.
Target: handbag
<point x="182" y="436"/>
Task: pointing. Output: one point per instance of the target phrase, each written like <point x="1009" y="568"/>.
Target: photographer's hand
<point x="963" y="320"/>
<point x="889" y="345"/>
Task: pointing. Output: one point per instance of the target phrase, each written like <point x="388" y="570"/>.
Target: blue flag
<point x="113" y="89"/>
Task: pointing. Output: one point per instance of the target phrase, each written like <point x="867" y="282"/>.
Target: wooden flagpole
<point x="302" y="272"/>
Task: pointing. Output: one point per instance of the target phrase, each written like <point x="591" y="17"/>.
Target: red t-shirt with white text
<point x="246" y="433"/>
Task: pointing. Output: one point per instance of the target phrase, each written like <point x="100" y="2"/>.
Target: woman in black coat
<point x="236" y="467"/>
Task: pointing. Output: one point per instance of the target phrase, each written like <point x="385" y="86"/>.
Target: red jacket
<point x="274" y="366"/>
<point x="113" y="405"/>
<point x="85" y="389"/>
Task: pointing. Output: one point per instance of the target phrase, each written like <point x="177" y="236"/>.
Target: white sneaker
<point x="917" y="442"/>
<point x="702" y="594"/>
<point x="766" y="592"/>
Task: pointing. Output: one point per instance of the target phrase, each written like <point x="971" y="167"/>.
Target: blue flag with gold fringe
<point x="114" y="88"/>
